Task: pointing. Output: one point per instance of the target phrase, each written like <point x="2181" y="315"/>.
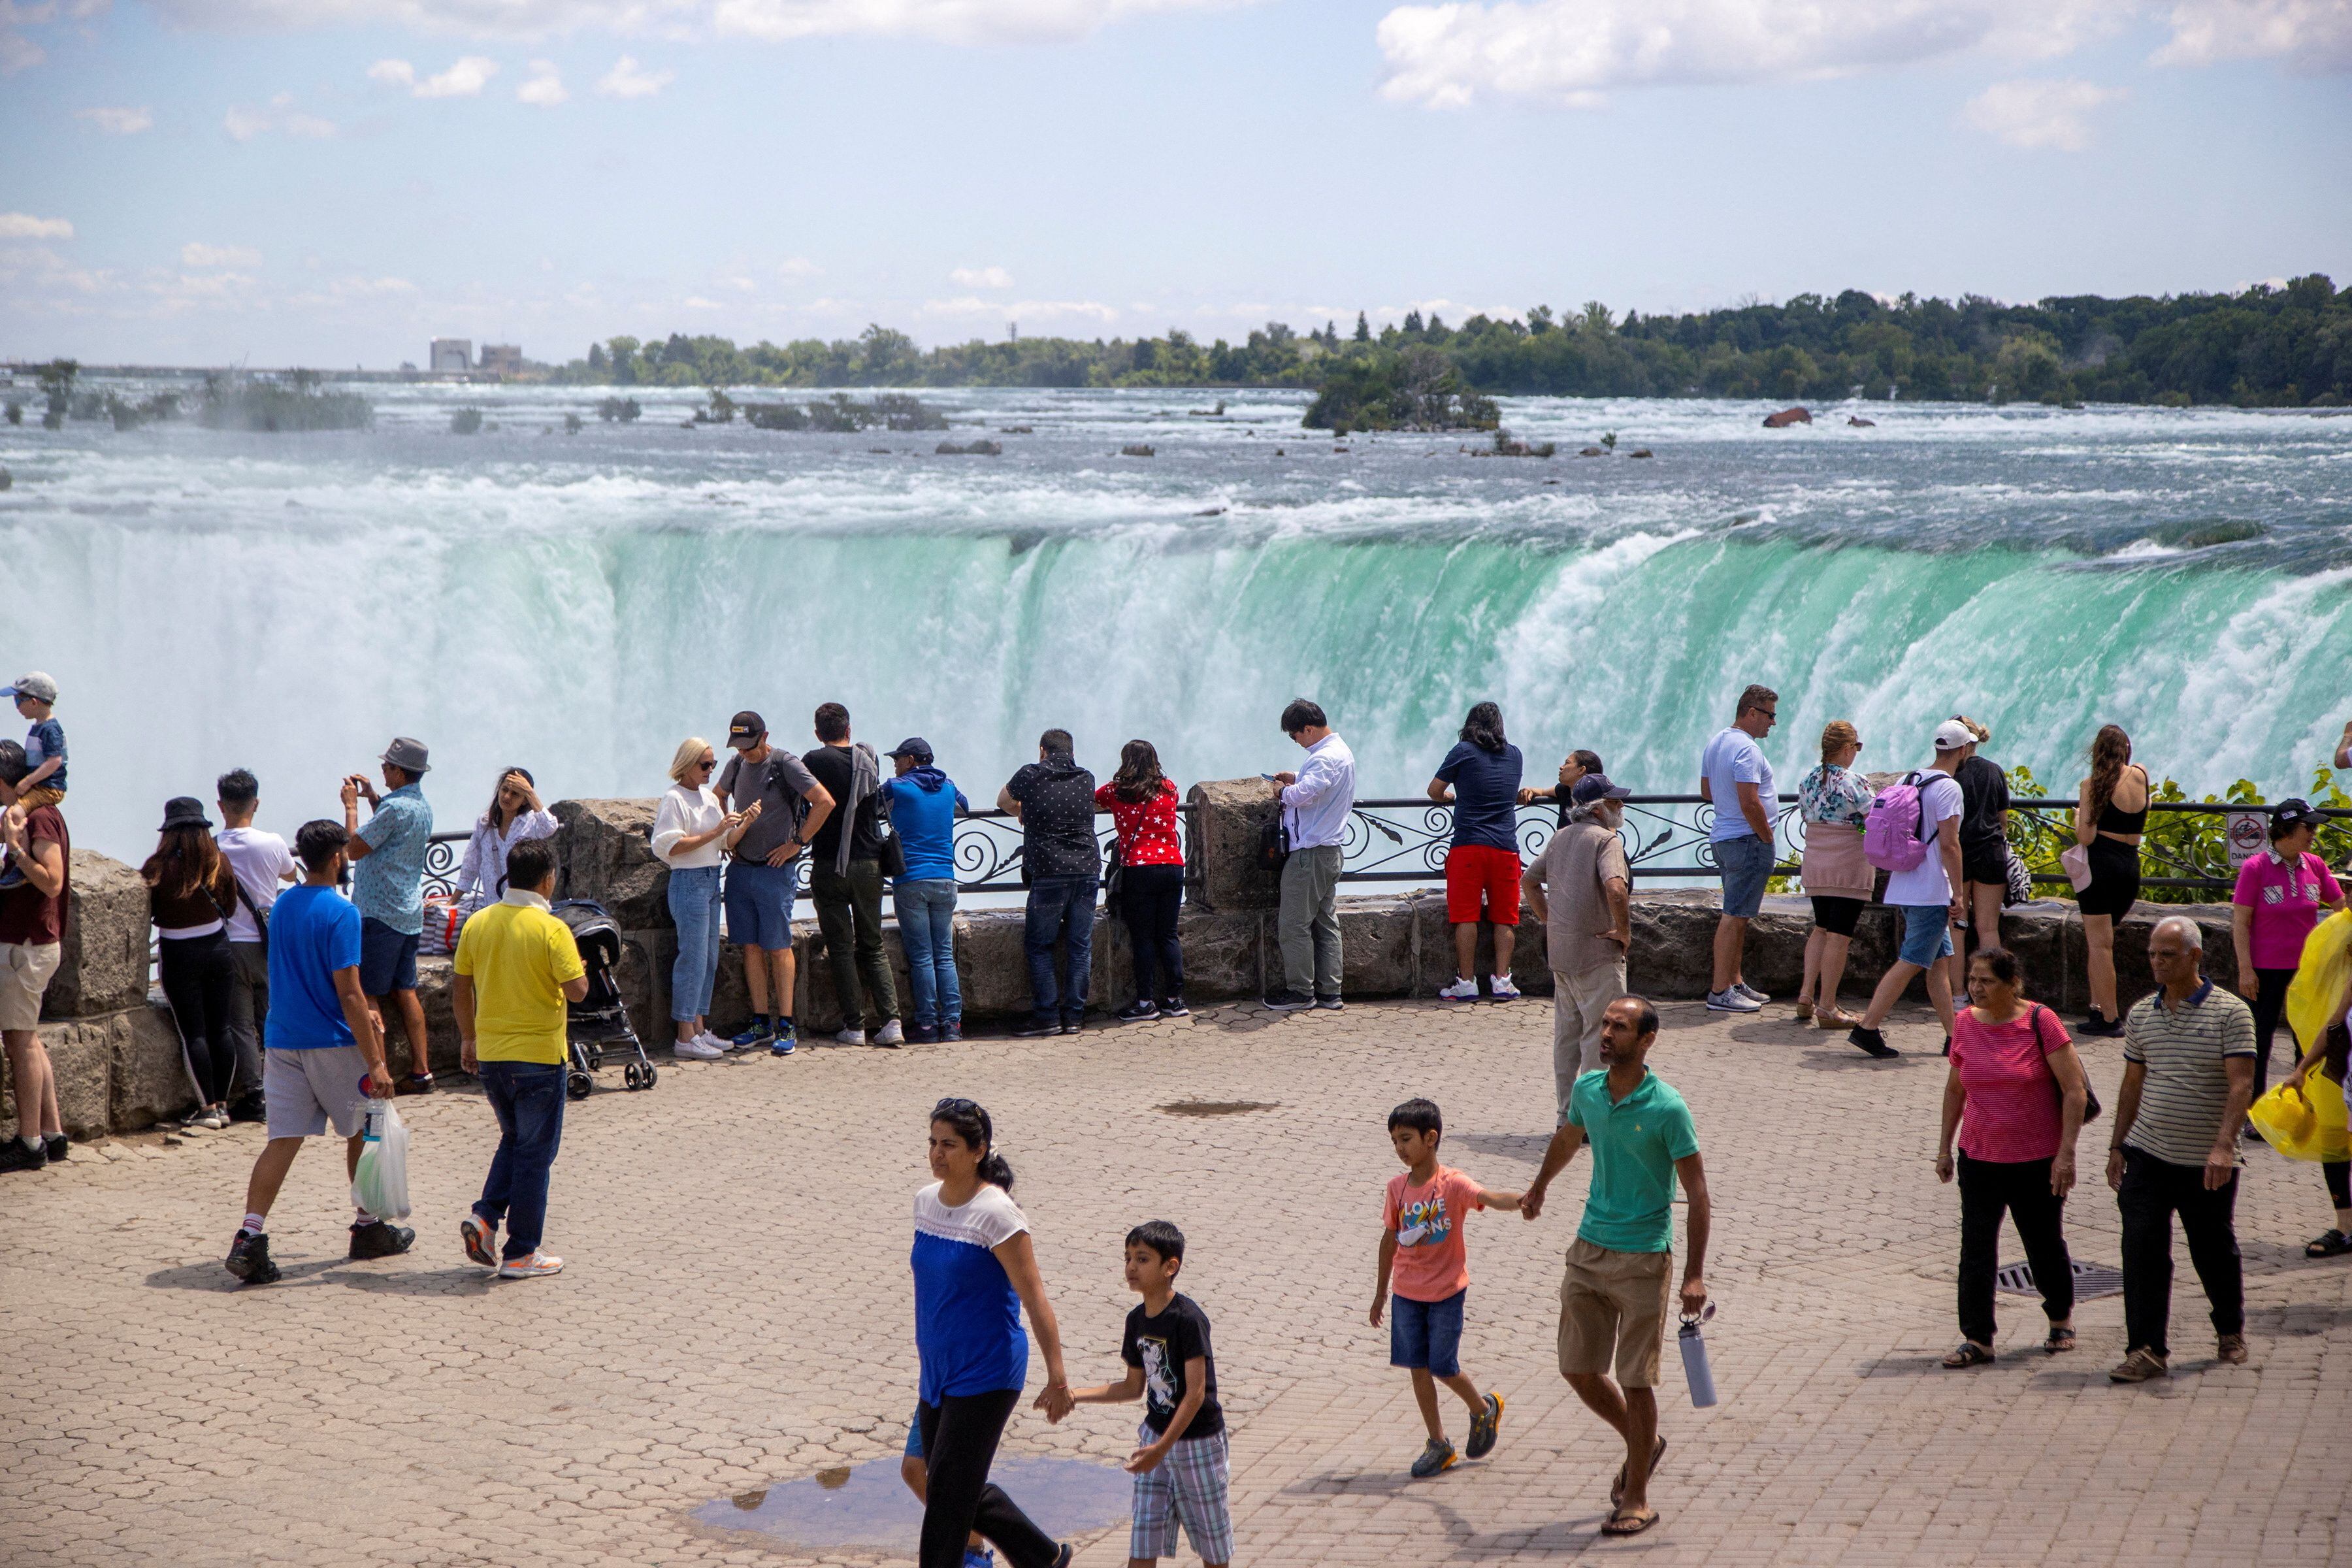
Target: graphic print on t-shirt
<point x="1158" y="1376"/>
<point x="1424" y="1222"/>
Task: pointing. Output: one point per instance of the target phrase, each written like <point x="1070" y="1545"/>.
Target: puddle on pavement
<point x="1218" y="1107"/>
<point x="868" y="1506"/>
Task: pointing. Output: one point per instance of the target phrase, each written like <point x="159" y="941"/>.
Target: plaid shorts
<point x="1188" y="1485"/>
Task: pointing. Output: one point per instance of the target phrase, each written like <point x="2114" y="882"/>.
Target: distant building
<point x="452" y="354"/>
<point x="505" y="359"/>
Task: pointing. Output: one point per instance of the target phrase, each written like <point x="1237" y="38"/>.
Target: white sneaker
<point x="1460" y="990"/>
<point x="1750" y="992"/>
<point x="699" y="1050"/>
<point x="713" y="1041"/>
<point x="850" y="1038"/>
<point x="891" y="1034"/>
<point x="1731" y="1002"/>
<point x="538" y="1266"/>
<point x="1502" y="990"/>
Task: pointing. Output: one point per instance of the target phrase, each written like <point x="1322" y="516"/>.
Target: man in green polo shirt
<point x="1612" y="1297"/>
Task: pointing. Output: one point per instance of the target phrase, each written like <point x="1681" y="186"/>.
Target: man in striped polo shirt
<point x="2188" y="1075"/>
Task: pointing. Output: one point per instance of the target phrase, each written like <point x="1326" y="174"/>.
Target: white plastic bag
<point x="380" y="1184"/>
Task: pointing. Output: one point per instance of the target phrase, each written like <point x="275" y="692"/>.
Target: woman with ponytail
<point x="2110" y="818"/>
<point x="974" y="1270"/>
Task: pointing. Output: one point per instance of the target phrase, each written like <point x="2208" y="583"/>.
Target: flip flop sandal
<point x="2333" y="1244"/>
<point x="1617" y="1488"/>
<point x="1971" y="1354"/>
<point x="1621" y="1522"/>
<point x="2059" y="1342"/>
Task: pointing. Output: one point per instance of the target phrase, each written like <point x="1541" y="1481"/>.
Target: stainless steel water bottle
<point x="1695" y="1367"/>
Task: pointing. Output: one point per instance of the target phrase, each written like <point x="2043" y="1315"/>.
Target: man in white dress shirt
<point x="1316" y="801"/>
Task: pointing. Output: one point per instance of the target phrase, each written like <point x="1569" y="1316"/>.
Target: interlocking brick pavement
<point x="737" y="1313"/>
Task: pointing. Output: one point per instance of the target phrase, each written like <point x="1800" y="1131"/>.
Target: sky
<point x="335" y="182"/>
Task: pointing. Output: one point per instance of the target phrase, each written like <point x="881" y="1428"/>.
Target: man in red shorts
<point x="1481" y="776"/>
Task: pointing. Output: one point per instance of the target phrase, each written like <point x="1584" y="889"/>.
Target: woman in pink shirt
<point x="2282" y="893"/>
<point x="2015" y="1095"/>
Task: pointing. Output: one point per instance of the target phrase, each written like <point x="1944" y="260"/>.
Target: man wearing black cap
<point x="782" y="807"/>
<point x="1578" y="887"/>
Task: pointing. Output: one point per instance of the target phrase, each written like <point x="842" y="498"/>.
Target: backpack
<point x="1890" y="835"/>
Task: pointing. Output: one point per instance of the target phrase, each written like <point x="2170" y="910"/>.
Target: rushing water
<point x="577" y="603"/>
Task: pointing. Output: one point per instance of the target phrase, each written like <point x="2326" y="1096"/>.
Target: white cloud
<point x="1572" y="51"/>
<point x="629" y="79"/>
<point x="119" y="122"/>
<point x="543" y="87"/>
<point x="25" y="225"/>
<point x="797" y="267"/>
<point x="309" y="127"/>
<point x="243" y="125"/>
<point x="981" y="277"/>
<point x="949" y="21"/>
<point x="946" y="21"/>
<point x="465" y="77"/>
<point x="2039" y="111"/>
<point x="197" y="254"/>
<point x="1035" y="310"/>
<point x="2311" y="35"/>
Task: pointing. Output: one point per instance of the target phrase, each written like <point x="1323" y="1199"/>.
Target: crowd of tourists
<point x="284" y="991"/>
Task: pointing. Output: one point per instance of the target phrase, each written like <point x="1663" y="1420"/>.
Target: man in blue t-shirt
<point x="323" y="1056"/>
<point x="1735" y="778"/>
<point x="1481" y="777"/>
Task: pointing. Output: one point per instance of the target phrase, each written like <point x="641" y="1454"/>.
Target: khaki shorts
<point x="25" y="973"/>
<point x="1614" y="1303"/>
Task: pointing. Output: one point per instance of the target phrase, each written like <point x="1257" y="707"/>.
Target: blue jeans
<point x="694" y="910"/>
<point x="1427" y="1333"/>
<point x="1060" y="906"/>
<point x="927" y="931"/>
<point x="528" y="1100"/>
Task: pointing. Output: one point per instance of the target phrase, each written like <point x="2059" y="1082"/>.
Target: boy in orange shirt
<point x="1422" y="1247"/>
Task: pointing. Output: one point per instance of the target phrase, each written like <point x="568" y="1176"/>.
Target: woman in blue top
<point x="974" y="1270"/>
<point x="923" y="804"/>
<point x="1481" y="776"/>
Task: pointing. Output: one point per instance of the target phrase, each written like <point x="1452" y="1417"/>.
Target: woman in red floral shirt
<point x="1142" y="801"/>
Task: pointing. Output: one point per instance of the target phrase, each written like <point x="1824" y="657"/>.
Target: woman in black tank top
<point x="2109" y="834"/>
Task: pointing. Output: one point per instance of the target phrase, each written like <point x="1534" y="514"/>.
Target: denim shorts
<point x="760" y="903"/>
<point x="1427" y="1334"/>
<point x="387" y="958"/>
<point x="1747" y="863"/>
<point x="1927" y="934"/>
<point x="914" y="1435"/>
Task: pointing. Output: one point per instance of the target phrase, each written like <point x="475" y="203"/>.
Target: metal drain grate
<point x="2092" y="1280"/>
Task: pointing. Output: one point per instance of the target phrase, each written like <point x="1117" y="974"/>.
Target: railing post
<point x="1229" y="817"/>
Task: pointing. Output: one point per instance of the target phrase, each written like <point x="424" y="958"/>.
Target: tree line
<point x="2287" y="346"/>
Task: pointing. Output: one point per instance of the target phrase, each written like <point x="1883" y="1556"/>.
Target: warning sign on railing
<point x="2250" y="834"/>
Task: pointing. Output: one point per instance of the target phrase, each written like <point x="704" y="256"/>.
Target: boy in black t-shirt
<point x="1180" y="1470"/>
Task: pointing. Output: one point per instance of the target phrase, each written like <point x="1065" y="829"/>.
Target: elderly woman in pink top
<point x="2016" y="1096"/>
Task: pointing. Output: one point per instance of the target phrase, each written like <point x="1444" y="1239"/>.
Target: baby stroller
<point x="598" y="1019"/>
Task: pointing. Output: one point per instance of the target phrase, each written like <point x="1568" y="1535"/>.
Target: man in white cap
<point x="1928" y="895"/>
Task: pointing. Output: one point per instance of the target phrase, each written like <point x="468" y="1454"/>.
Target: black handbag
<point x="1114" y="869"/>
<point x="1273" y="845"/>
<point x="2091" y="1106"/>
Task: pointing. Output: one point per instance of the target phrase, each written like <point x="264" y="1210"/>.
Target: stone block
<point x="147" y="1072"/>
<point x="819" y="1001"/>
<point x="605" y="852"/>
<point x="1673" y="956"/>
<point x="991" y="964"/>
<point x="1226" y="954"/>
<point x="1377" y="947"/>
<point x="81" y="1054"/>
<point x="102" y="967"/>
<point x="1228" y="817"/>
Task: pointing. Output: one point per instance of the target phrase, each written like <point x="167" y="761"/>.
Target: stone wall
<point x="119" y="1065"/>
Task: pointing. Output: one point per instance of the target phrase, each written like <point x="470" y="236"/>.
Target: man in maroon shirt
<point x="32" y="928"/>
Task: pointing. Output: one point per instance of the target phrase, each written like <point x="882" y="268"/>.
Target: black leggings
<point x="1987" y="1189"/>
<point x="960" y="1436"/>
<point x="1151" y="898"/>
<point x="199" y="976"/>
<point x="2270" y="1009"/>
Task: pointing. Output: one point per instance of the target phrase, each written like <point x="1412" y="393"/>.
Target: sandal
<point x="2328" y="1244"/>
<point x="1804" y="1012"/>
<point x="1633" y="1522"/>
<point x="1617" y="1488"/>
<point x="2059" y="1342"/>
<point x="1971" y="1354"/>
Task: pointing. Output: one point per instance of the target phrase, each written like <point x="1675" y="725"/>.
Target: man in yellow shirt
<point x="517" y="964"/>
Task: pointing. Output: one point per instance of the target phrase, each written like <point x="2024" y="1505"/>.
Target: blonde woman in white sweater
<point x="692" y="828"/>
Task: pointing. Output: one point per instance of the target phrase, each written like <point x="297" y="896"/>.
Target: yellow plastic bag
<point x="2318" y="987"/>
<point x="2306" y="1123"/>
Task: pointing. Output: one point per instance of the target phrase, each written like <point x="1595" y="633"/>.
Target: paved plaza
<point x="737" y="1316"/>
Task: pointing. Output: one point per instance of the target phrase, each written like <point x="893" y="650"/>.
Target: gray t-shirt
<point x="780" y="784"/>
<point x="2185" y="1052"/>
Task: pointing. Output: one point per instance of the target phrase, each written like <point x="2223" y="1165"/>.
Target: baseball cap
<point x="34" y="684"/>
<point x="1596" y="786"/>
<point x="2294" y="813"/>
<point x="408" y="755"/>
<point x="913" y="746"/>
<point x="743" y="732"/>
<point x="1951" y="735"/>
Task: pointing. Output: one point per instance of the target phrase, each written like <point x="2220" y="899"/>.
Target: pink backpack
<point x="1890" y="835"/>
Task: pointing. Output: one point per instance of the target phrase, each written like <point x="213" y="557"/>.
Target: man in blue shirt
<point x="323" y="1059"/>
<point x="923" y="804"/>
<point x="1736" y="780"/>
<point x="387" y="859"/>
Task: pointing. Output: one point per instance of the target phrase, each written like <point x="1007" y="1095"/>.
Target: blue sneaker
<point x="785" y="1040"/>
<point x="758" y="1034"/>
<point x="979" y="1557"/>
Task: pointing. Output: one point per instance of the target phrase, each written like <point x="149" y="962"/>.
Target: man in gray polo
<point x="1580" y="887"/>
<point x="2188" y="1075"/>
